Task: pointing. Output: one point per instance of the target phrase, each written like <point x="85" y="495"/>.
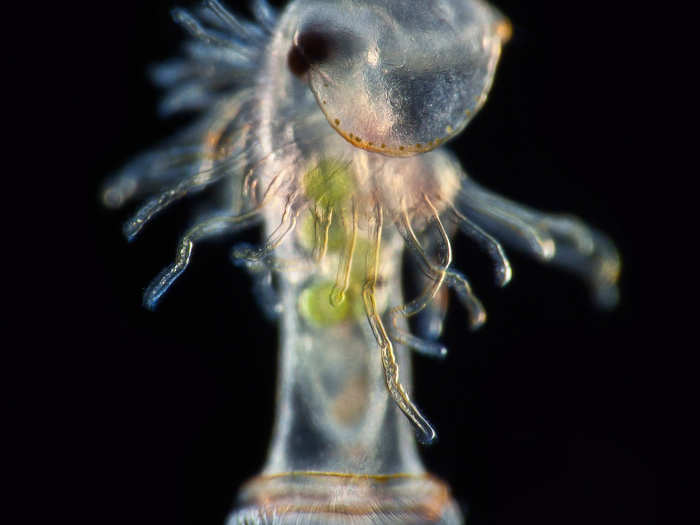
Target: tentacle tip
<point x="243" y="255"/>
<point x="477" y="321"/>
<point x="336" y="297"/>
<point x="131" y="229"/>
<point x="150" y="301"/>
<point x="606" y="293"/>
<point x="179" y="15"/>
<point x="547" y="249"/>
<point x="426" y="436"/>
<point x="504" y="277"/>
<point x="113" y="198"/>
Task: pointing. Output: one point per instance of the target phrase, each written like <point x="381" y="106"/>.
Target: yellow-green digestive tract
<point x="329" y="185"/>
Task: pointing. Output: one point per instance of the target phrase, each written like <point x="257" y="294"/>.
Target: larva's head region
<point x="398" y="77"/>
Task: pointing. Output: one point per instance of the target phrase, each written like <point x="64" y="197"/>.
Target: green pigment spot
<point x="316" y="308"/>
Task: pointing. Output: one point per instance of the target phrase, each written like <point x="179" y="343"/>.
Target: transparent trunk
<point x="341" y="452"/>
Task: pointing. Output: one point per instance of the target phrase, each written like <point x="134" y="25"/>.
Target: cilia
<point x="326" y="123"/>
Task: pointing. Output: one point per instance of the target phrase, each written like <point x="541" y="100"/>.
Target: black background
<point x="552" y="413"/>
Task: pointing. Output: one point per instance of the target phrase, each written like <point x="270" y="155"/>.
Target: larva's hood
<point x="398" y="76"/>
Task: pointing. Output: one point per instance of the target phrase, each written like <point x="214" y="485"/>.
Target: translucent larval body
<point x="326" y="123"/>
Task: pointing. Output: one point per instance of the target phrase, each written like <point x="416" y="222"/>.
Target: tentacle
<point x="189" y="96"/>
<point x="210" y="228"/>
<point x="456" y="281"/>
<point x="324" y="225"/>
<point x="588" y="253"/>
<point x="426" y="433"/>
<point x="572" y="245"/>
<point x="153" y="206"/>
<point x="431" y="320"/>
<point x="494" y="249"/>
<point x="264" y="290"/>
<point x="265" y="14"/>
<point x="266" y="295"/>
<point x="183" y="18"/>
<point x="496" y="212"/>
<point x="601" y="268"/>
<point x="436" y="274"/>
<point x="150" y="170"/>
<point x="342" y="280"/>
<point x="194" y="183"/>
<point x="247" y="254"/>
<point x="218" y="57"/>
<point x="244" y="30"/>
<point x="183" y="154"/>
<point x="174" y="72"/>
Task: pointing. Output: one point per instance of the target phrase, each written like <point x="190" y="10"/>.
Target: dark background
<point x="552" y="413"/>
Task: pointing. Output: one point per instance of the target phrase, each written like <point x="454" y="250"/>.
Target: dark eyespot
<point x="312" y="47"/>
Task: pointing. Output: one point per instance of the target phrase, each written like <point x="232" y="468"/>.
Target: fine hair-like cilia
<point x="326" y="123"/>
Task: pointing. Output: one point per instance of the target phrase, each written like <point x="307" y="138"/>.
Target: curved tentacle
<point x="458" y="282"/>
<point x="245" y="30"/>
<point x="436" y="275"/>
<point x="426" y="433"/>
<point x="193" y="183"/>
<point x="247" y="254"/>
<point x="322" y="221"/>
<point x="195" y="28"/>
<point x="184" y="154"/>
<point x="430" y="322"/>
<point x="265" y="14"/>
<point x="567" y="241"/>
<point x="203" y="230"/>
<point x="157" y="204"/>
<point x="493" y="248"/>
<point x="342" y="280"/>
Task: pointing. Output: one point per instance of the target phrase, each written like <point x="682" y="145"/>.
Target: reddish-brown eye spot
<point x="311" y="47"/>
<point x="296" y="62"/>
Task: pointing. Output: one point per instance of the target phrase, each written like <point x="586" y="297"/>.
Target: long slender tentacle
<point x="185" y="154"/>
<point x="265" y="14"/>
<point x="264" y="291"/>
<point x="193" y="183"/>
<point x="566" y="241"/>
<point x="426" y="433"/>
<point x="244" y="30"/>
<point x="247" y="254"/>
<point x="209" y="228"/>
<point x="452" y="278"/>
<point x="342" y="280"/>
<point x="323" y="223"/>
<point x="430" y="322"/>
<point x="152" y="207"/>
<point x="457" y="282"/>
<point x="436" y="274"/>
<point x="504" y="272"/>
<point x="208" y="36"/>
<point x="506" y="216"/>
